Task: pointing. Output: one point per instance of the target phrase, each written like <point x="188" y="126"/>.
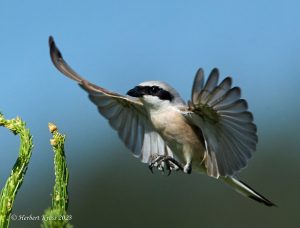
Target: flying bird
<point x="213" y="133"/>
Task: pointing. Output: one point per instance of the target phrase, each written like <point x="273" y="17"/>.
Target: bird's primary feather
<point x="226" y="124"/>
<point x="125" y="114"/>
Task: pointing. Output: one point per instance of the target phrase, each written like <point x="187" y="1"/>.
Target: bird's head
<point x="156" y="94"/>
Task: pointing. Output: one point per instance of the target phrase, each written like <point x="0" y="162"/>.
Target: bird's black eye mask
<point x="140" y="91"/>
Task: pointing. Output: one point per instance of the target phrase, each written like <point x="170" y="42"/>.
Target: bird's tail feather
<point x="245" y="190"/>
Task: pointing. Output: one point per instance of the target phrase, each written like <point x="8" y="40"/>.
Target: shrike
<point x="213" y="134"/>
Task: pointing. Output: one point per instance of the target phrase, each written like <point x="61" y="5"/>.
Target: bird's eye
<point x="154" y="89"/>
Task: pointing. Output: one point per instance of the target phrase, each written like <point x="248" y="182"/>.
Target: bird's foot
<point x="162" y="162"/>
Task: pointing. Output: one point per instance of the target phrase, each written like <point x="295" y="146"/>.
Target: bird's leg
<point x="188" y="155"/>
<point x="188" y="168"/>
<point x="163" y="161"/>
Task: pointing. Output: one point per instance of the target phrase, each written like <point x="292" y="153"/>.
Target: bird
<point x="213" y="133"/>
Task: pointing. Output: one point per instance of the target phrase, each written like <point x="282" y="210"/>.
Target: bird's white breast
<point x="178" y="134"/>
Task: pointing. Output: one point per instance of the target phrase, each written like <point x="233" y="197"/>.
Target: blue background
<point x="118" y="44"/>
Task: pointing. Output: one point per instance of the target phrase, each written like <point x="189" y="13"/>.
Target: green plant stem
<point x="57" y="216"/>
<point x="15" y="180"/>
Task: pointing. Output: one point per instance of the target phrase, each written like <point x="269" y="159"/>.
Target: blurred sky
<point x="118" y="44"/>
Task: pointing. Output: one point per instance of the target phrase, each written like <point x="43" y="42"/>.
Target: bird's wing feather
<point x="227" y="125"/>
<point x="125" y="114"/>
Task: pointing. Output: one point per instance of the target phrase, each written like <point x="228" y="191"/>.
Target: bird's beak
<point x="135" y="92"/>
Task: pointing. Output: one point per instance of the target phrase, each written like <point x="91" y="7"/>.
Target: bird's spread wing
<point x="227" y="126"/>
<point x="125" y="114"/>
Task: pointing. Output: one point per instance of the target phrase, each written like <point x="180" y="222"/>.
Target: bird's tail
<point x="245" y="190"/>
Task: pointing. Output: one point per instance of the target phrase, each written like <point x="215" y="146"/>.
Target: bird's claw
<point x="162" y="163"/>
